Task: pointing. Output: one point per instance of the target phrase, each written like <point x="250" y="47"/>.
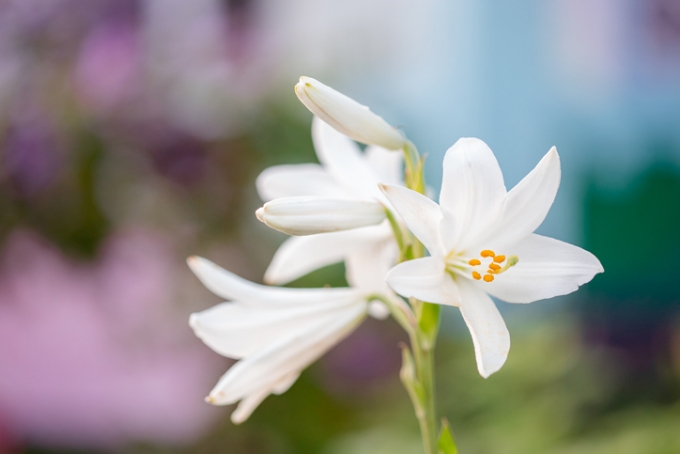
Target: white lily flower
<point x="274" y="332"/>
<point x="347" y="116"/>
<point x="344" y="173"/>
<point x="481" y="242"/>
<point x="309" y="215"/>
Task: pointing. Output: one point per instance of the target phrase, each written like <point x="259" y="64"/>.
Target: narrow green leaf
<point x="446" y="445"/>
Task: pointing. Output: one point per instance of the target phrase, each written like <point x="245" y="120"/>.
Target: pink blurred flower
<point x="97" y="355"/>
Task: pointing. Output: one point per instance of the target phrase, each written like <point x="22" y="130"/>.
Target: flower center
<point x="496" y="264"/>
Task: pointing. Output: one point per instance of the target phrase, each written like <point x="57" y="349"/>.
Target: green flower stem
<point x="423" y="352"/>
<point x="417" y="372"/>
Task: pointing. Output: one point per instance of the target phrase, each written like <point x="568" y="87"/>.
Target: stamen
<point x="488" y="278"/>
<point x="476" y="275"/>
<point x="487" y="253"/>
<point x="494" y="266"/>
<point x="475" y="262"/>
<point x="499" y="258"/>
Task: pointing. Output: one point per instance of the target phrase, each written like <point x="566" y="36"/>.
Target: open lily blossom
<point x="274" y="332"/>
<point x="350" y="178"/>
<point x="347" y="116"/>
<point x="481" y="241"/>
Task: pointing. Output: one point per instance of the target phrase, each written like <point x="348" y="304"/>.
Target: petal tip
<point x="259" y="214"/>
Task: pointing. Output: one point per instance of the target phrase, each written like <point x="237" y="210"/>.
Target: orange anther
<point x="474" y="262"/>
<point x="487" y="253"/>
<point x="494" y="266"/>
<point x="488" y="278"/>
<point x="476" y="275"/>
<point x="499" y="259"/>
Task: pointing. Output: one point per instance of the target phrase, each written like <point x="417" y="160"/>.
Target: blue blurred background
<point x="131" y="132"/>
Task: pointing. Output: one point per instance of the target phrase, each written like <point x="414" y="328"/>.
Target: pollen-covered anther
<point x="476" y="275"/>
<point x="499" y="259"/>
<point x="474" y="262"/>
<point x="488" y="277"/>
<point x="494" y="266"/>
<point x="487" y="253"/>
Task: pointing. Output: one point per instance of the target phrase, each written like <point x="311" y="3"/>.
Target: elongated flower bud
<point x="347" y="116"/>
<point x="310" y="215"/>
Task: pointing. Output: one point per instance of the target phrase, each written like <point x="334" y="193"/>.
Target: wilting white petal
<point x="547" y="267"/>
<point x="342" y="159"/>
<point x="489" y="333"/>
<point x="421" y="215"/>
<point x="232" y="287"/>
<point x="346" y="115"/>
<point x="425" y="279"/>
<point x="527" y="204"/>
<point x="472" y="188"/>
<point x="289" y="355"/>
<point x="311" y="215"/>
<point x="297" y="180"/>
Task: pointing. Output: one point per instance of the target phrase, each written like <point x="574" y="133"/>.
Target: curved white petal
<point x="312" y="215"/>
<point x="425" y="279"/>
<point x="289" y="355"/>
<point x="346" y="115"/>
<point x="547" y="267"/>
<point x="231" y="287"/>
<point x="342" y="159"/>
<point x="367" y="267"/>
<point x="489" y="334"/>
<point x="248" y="405"/>
<point x="420" y="214"/>
<point x="387" y="165"/>
<point x="298" y="180"/>
<point x="298" y="256"/>
<point x="527" y="204"/>
<point x="472" y="188"/>
<point x="238" y="329"/>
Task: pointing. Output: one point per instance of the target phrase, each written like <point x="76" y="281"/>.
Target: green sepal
<point x="446" y="445"/>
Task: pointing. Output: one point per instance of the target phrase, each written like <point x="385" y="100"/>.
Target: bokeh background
<point x="131" y="132"/>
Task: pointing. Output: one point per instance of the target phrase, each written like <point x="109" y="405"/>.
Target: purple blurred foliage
<point x="95" y="355"/>
<point x="365" y="360"/>
<point x="31" y="154"/>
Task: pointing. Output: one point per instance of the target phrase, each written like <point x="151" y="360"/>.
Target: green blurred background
<point x="131" y="133"/>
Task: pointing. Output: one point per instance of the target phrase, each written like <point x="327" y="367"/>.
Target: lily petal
<point x="367" y="266"/>
<point x="387" y="165"/>
<point x="289" y="355"/>
<point x="237" y="329"/>
<point x="527" y="204"/>
<point x="472" y="188"/>
<point x="342" y="158"/>
<point x="311" y="215"/>
<point x="298" y="256"/>
<point x="231" y="287"/>
<point x="547" y="267"/>
<point x="346" y="115"/>
<point x="489" y="334"/>
<point x="425" y="279"/>
<point x="298" y="180"/>
<point x="421" y="215"/>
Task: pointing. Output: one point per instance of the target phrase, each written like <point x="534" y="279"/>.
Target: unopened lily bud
<point x="347" y="116"/>
<point x="309" y="215"/>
